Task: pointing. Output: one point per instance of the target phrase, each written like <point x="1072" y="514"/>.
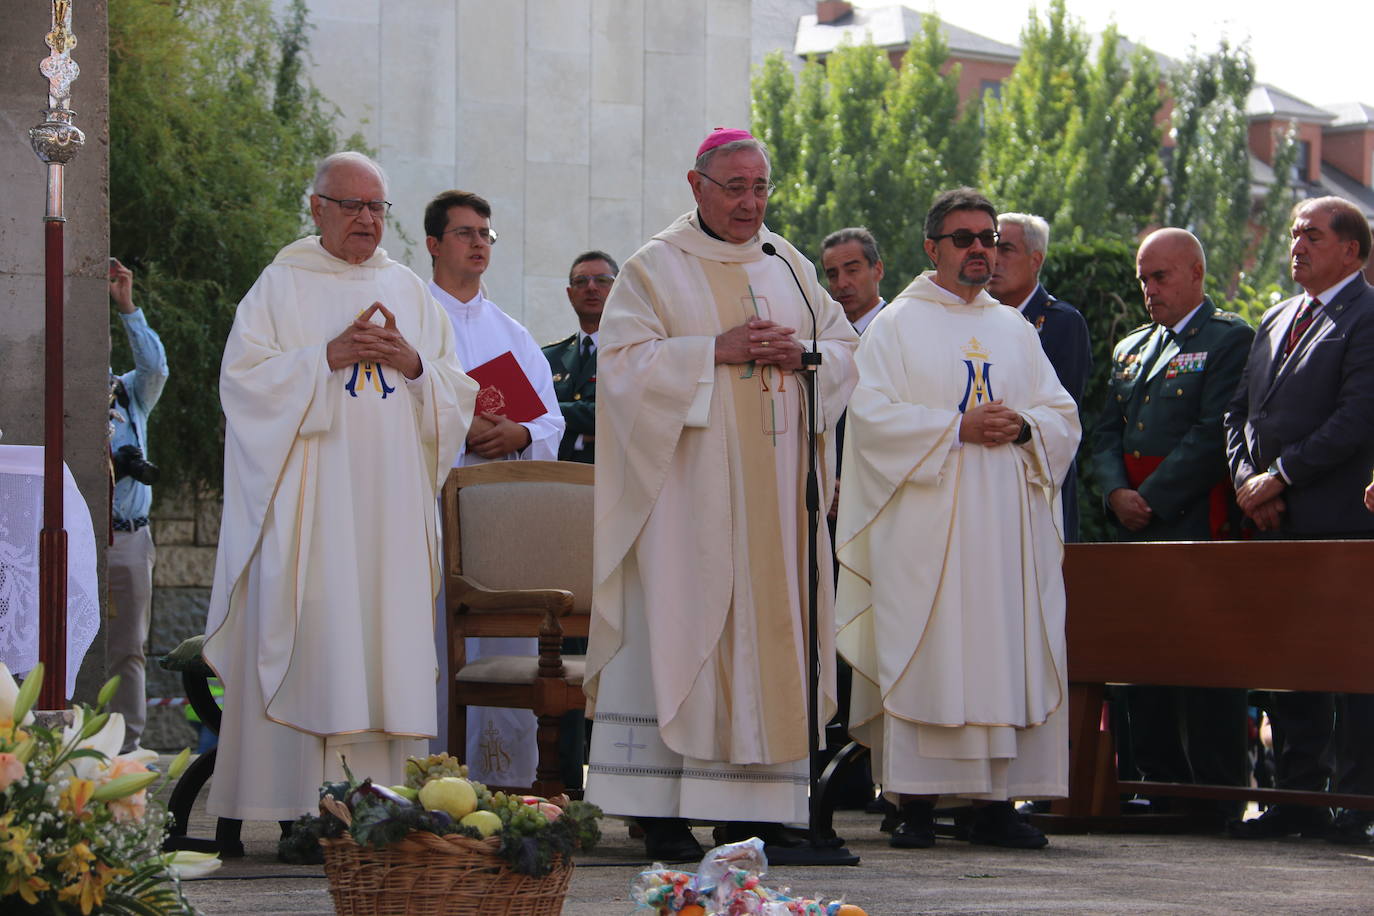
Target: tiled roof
<point x="1267" y="102"/>
<point x="893" y="27"/>
<point x="1351" y="114"/>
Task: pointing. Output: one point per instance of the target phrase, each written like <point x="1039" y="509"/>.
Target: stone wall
<point x="186" y="530"/>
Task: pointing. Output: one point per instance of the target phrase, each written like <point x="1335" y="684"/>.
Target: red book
<point x="505" y="390"/>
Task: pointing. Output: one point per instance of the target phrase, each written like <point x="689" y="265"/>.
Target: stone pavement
<point x="1088" y="874"/>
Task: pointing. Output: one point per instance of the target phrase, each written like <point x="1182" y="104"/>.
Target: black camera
<point x="129" y="462"/>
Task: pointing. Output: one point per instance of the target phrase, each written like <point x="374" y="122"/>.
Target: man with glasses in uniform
<point x="573" y="359"/>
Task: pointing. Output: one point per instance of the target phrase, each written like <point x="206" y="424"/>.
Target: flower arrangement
<point x="78" y="833"/>
<point x="438" y="798"/>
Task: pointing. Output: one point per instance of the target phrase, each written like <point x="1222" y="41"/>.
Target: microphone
<point x="813" y="358"/>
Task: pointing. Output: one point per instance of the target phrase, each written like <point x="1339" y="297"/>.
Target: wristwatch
<point x="1024" y="435"/>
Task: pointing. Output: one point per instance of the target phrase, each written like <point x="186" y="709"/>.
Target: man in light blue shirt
<point x="131" y="554"/>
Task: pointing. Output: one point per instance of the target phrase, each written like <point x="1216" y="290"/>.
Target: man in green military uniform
<point x="573" y="359"/>
<point x="1159" y="456"/>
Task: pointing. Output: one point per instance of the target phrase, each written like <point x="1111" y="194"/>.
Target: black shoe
<point x="1352" y="828"/>
<point x="998" y="824"/>
<point x="1283" y="820"/>
<point x="916" y="830"/>
<point x="669" y="839"/>
<point x="773" y="835"/>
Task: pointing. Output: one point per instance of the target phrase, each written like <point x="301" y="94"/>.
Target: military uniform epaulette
<point x="1229" y="317"/>
<point x="560" y="343"/>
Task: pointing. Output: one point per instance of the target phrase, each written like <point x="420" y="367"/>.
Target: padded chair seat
<point x="518" y="669"/>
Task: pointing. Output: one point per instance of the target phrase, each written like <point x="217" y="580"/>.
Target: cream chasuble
<point x="951" y="596"/>
<point x="501" y="748"/>
<point x="321" y="617"/>
<point x="695" y="672"/>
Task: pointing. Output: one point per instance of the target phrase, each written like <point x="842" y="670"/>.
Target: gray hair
<point x="1034" y="228"/>
<point x="733" y="146"/>
<point x="859" y="234"/>
<point x="347" y="156"/>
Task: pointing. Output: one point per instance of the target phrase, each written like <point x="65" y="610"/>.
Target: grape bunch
<point x="420" y="770"/>
<point x="515" y="814"/>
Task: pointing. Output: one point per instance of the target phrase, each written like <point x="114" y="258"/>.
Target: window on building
<point x="992" y="88"/>
<point x="1303" y="163"/>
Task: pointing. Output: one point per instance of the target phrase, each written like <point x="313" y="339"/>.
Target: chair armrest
<point x="555" y="601"/>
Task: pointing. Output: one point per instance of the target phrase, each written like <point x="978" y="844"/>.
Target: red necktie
<point x="1303" y="322"/>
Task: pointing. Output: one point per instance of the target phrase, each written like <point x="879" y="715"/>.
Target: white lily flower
<point x="188" y="865"/>
<point x="9" y="692"/>
<point x="108" y="741"/>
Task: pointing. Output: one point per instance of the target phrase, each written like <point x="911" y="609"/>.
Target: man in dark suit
<point x="1159" y="453"/>
<point x="573" y="359"/>
<point x="1300" y="443"/>
<point x="1023" y="240"/>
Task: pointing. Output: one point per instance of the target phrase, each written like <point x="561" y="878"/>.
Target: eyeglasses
<point x="353" y="205"/>
<point x="962" y="238"/>
<point x="470" y="234"/>
<point x="603" y="281"/>
<point x="737" y="189"/>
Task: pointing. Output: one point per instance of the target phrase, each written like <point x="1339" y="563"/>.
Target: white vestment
<point x="695" y="670"/>
<point x="951" y="596"/>
<point x="501" y="748"/>
<point x="321" y="617"/>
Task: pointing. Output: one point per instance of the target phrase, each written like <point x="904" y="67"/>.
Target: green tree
<point x="1270" y="265"/>
<point x="856" y="143"/>
<point x="1209" y="172"/>
<point x="1073" y="141"/>
<point x="214" y="134"/>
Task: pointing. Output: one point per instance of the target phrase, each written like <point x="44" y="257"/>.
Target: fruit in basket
<point x="420" y="770"/>
<point x="451" y="794"/>
<point x="550" y="810"/>
<point x="484" y="822"/>
<point x="407" y="793"/>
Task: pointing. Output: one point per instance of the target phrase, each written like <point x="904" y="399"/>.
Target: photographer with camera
<point x="131" y="553"/>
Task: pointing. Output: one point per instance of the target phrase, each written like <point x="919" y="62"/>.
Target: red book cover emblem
<point x="505" y="390"/>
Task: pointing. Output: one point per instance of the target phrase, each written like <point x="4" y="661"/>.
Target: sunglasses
<point x="963" y="238"/>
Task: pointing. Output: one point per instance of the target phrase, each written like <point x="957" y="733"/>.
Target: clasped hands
<point x="989" y="424"/>
<point x="1259" y="499"/>
<point x="760" y="341"/>
<point x="364" y="341"/>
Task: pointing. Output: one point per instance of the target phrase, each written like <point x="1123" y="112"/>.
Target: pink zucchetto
<point x="721" y="136"/>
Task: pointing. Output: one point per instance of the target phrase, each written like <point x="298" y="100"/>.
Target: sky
<point x="1319" y="50"/>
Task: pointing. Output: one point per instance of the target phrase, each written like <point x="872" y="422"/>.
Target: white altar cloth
<point x="21" y="519"/>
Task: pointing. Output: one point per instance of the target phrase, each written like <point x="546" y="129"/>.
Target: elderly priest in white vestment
<point x="695" y="671"/>
<point x="951" y="595"/>
<point x="345" y="406"/>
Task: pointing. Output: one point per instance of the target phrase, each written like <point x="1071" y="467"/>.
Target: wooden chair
<point x="518" y="562"/>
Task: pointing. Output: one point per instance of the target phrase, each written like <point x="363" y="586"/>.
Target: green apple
<point x="453" y="795"/>
<point x="484" y="822"/>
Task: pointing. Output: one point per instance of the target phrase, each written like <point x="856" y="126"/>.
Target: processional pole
<point x="55" y="141"/>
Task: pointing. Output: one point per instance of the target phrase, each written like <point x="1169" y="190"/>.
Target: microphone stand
<point x="825" y="847"/>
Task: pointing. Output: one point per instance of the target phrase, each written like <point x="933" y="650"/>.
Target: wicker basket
<point x="429" y="875"/>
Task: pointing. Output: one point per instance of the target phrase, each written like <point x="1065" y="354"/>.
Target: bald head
<point x="1171" y="266"/>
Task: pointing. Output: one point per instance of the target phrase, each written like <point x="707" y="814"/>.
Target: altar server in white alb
<point x="345" y="404"/>
<point x="501" y="748"/>
<point x="951" y="596"/>
<point x="695" y="672"/>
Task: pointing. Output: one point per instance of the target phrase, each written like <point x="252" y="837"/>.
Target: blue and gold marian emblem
<point x="978" y="387"/>
<point x="371" y="373"/>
